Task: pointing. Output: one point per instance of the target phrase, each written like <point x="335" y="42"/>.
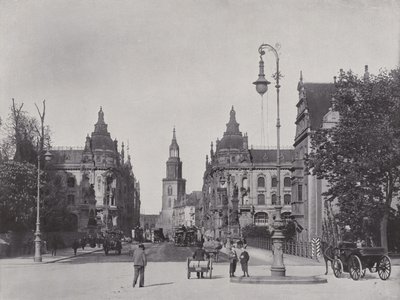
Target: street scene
<point x="165" y="278"/>
<point x="199" y="149"/>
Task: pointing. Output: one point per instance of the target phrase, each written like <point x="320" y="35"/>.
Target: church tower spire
<point x="174" y="187"/>
<point x="174" y="147"/>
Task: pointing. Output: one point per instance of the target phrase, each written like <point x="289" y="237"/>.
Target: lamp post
<point x="38" y="240"/>
<point x="278" y="267"/>
<point x="223" y="181"/>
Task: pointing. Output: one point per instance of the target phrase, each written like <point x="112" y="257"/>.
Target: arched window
<point x="287" y="182"/>
<point x="261" y="199"/>
<point x="287" y="199"/>
<point x="273" y="199"/>
<point x="245" y="183"/>
<point x="274" y="182"/>
<point x="261" y="219"/>
<point x="169" y="190"/>
<point x="261" y="182"/>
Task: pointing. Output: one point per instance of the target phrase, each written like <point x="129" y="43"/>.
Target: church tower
<point x="174" y="186"/>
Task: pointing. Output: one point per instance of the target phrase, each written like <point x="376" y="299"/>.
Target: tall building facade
<point x="240" y="184"/>
<point x="102" y="192"/>
<point x="173" y="188"/>
<point x="313" y="112"/>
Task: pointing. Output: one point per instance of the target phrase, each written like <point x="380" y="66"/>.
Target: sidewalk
<point x="62" y="254"/>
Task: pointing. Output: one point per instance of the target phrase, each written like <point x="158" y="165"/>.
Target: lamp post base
<point x="278" y="268"/>
<point x="38" y="242"/>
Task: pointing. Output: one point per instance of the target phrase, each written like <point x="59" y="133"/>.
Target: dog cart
<point x="355" y="261"/>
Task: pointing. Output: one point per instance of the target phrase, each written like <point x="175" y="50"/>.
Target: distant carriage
<point x="353" y="260"/>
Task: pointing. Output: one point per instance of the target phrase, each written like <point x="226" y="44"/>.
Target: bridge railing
<point x="297" y="248"/>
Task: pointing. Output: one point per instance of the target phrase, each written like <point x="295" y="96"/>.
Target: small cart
<point x="199" y="266"/>
<point x="355" y="261"/>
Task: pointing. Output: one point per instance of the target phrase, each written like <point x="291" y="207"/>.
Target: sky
<point x="153" y="65"/>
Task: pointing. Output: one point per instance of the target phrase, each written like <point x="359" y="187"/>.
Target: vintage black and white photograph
<point x="199" y="149"/>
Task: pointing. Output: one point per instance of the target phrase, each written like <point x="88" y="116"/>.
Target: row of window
<point x="287" y="199"/>
<point x="274" y="182"/>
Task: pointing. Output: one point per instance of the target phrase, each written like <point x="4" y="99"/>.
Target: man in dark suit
<point x="139" y="263"/>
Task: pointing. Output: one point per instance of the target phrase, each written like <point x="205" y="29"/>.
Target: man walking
<point x="139" y="263"/>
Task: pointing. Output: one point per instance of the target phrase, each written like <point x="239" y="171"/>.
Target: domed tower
<point x="233" y="146"/>
<point x="103" y="146"/>
<point x="174" y="186"/>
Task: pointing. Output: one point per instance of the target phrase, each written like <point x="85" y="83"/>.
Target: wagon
<point x="199" y="266"/>
<point x="354" y="260"/>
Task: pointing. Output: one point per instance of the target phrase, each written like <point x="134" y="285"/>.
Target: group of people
<point x="236" y="254"/>
<point x="240" y="254"/>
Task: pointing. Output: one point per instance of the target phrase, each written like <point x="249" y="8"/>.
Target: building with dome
<point x="101" y="190"/>
<point x="240" y="184"/>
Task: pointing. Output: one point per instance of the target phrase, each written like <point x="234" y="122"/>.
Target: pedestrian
<point x="75" y="246"/>
<point x="54" y="245"/>
<point x="244" y="262"/>
<point x="200" y="255"/>
<point x="232" y="261"/>
<point x="83" y="243"/>
<point x="139" y="264"/>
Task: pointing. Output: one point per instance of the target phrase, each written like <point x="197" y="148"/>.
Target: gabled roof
<point x="318" y="101"/>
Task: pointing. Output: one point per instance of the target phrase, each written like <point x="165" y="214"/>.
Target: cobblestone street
<point x="110" y="277"/>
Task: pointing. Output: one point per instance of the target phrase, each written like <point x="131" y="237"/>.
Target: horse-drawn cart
<point x="353" y="260"/>
<point x="199" y="266"/>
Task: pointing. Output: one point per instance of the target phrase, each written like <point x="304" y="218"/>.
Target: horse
<point x="328" y="253"/>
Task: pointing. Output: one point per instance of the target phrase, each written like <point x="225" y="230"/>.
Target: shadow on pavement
<point x="157" y="284"/>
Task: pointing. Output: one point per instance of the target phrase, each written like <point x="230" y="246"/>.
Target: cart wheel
<point x="384" y="267"/>
<point x="355" y="267"/>
<point x="337" y="267"/>
<point x="188" y="272"/>
<point x="210" y="271"/>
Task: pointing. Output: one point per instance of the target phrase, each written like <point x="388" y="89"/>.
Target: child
<point x="244" y="260"/>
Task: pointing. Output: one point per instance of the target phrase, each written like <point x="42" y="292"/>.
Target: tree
<point x="360" y="156"/>
<point x="54" y="211"/>
<point x="24" y="135"/>
<point x="18" y="184"/>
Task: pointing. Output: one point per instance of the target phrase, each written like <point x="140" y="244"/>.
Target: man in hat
<point x="348" y="235"/>
<point x="139" y="263"/>
<point x="200" y="254"/>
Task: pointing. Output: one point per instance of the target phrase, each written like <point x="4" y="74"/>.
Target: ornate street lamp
<point x="38" y="240"/>
<point x="227" y="194"/>
<point x="278" y="267"/>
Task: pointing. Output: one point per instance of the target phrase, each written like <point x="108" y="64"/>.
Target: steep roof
<point x="318" y="98"/>
<point x="269" y="155"/>
<point x="66" y="156"/>
<point x="233" y="138"/>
